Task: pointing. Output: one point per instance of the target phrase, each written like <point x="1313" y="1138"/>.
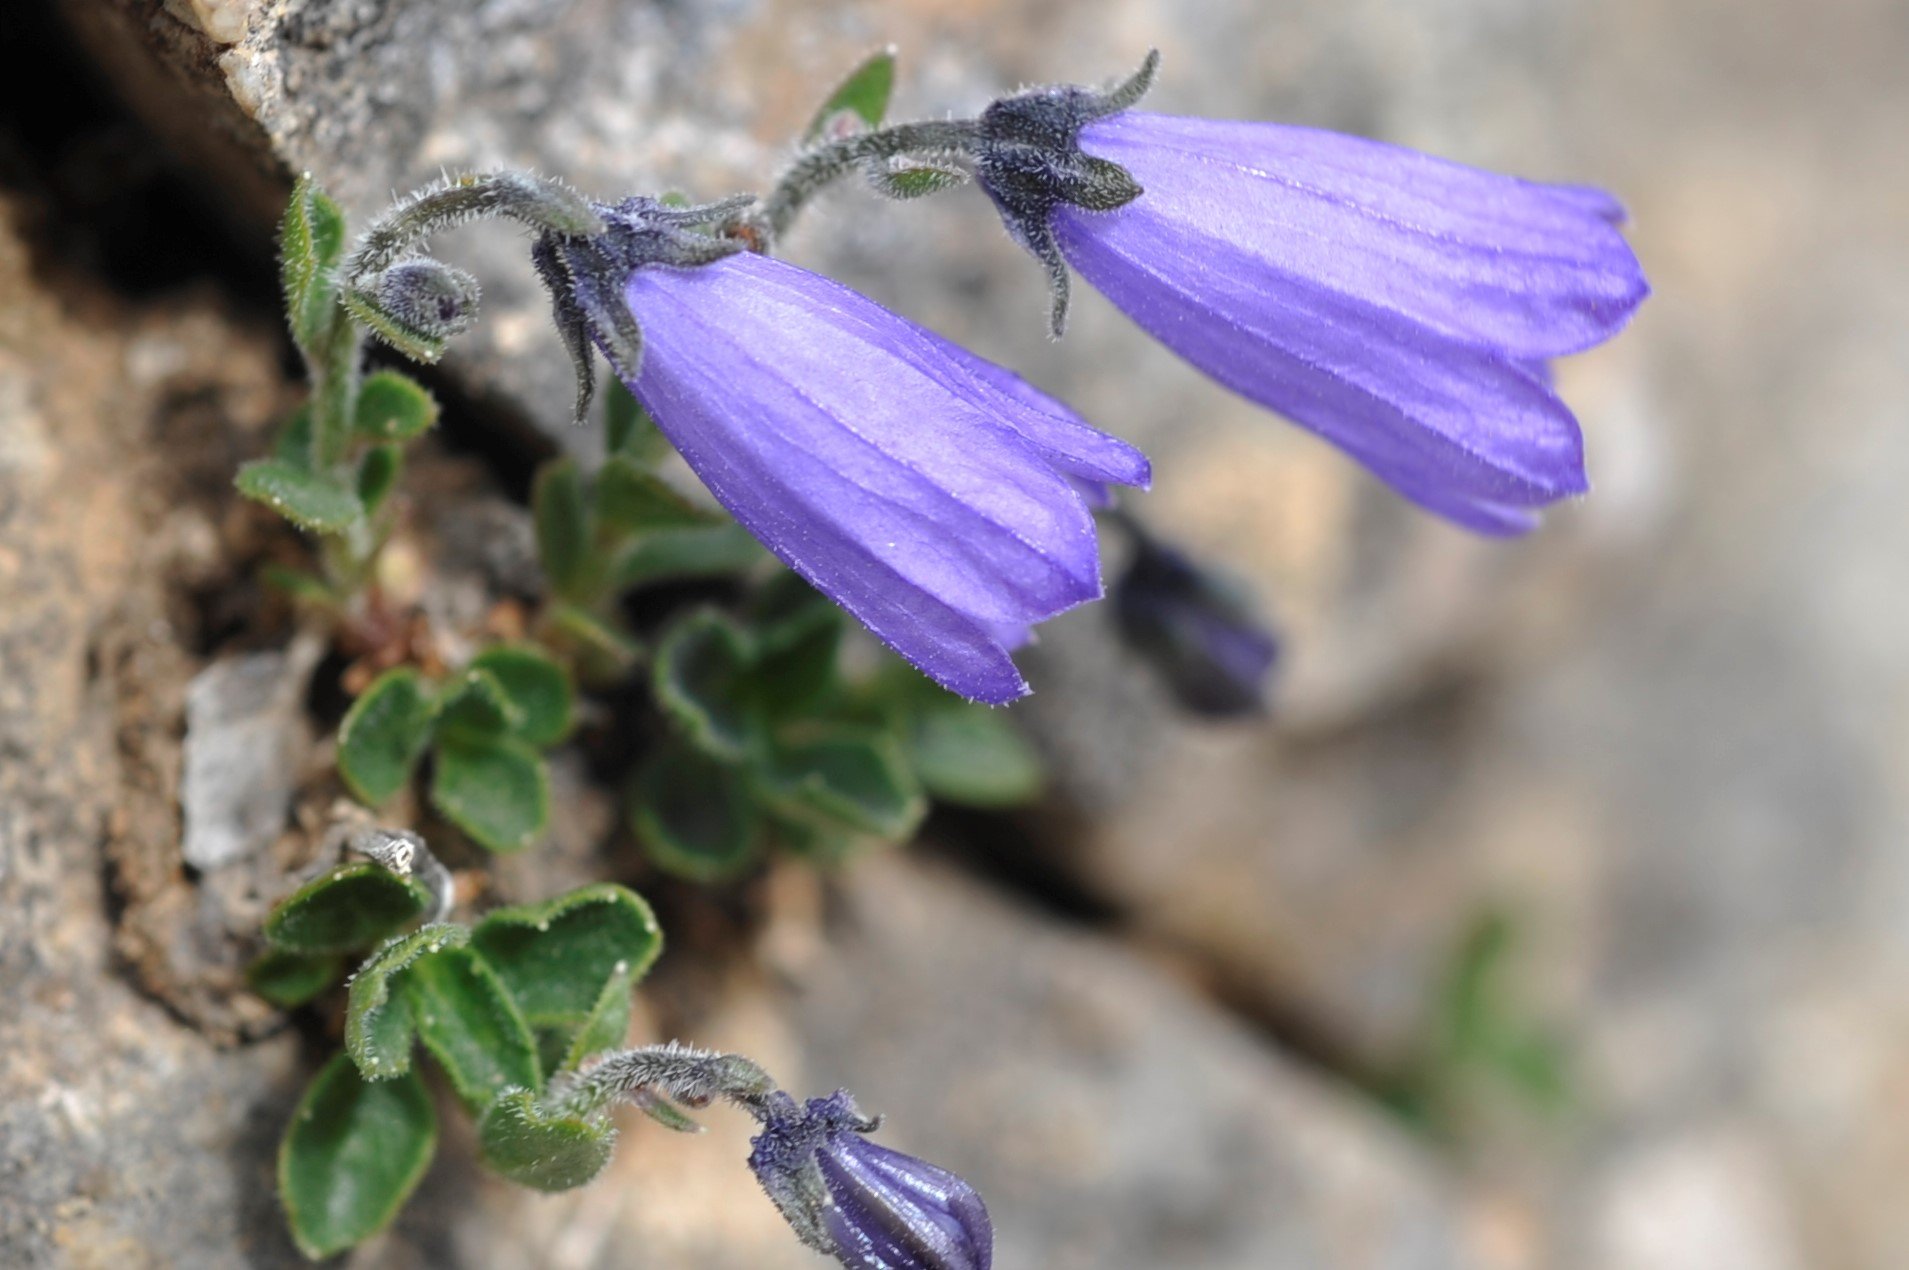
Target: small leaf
<point x="476" y="705"/>
<point x="352" y="907"/>
<point x="557" y="958"/>
<point x="701" y="678"/>
<point x="310" y="500"/>
<point x="608" y="1023"/>
<point x="494" y="789"/>
<point x="377" y="474"/>
<point x="854" y="776"/>
<point x="394" y="407"/>
<point x="673" y="555"/>
<point x="971" y="755"/>
<point x="914" y="180"/>
<point x="383" y="734"/>
<point x="468" y="1021"/>
<point x="797" y="637"/>
<point x="694" y="816"/>
<point x="378" y="1020"/>
<point x="311" y="237"/>
<point x="293" y="445"/>
<point x="564" y="530"/>
<point x="289" y="979"/>
<point x="603" y="649"/>
<point x="545" y="1152"/>
<point x="628" y="429"/>
<point x="862" y="96"/>
<point x="633" y="499"/>
<point x="536" y="686"/>
<point x="352" y="1155"/>
<point x="301" y="587"/>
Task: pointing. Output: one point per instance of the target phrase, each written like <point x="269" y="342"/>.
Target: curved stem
<point x="820" y="166"/>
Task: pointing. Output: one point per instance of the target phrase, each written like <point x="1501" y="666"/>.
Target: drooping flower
<point x="870" y="1207"/>
<point x="1400" y="306"/>
<point x="1195" y="627"/>
<point x="923" y="489"/>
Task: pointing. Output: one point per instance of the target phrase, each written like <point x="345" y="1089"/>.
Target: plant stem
<point x="820" y="166"/>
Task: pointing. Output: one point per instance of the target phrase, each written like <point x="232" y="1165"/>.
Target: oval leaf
<point x="352" y="1155"/>
<point x="557" y="957"/>
<point x="862" y="97"/>
<point x="497" y="790"/>
<point x="971" y="755"/>
<point x="694" y="816"/>
<point x="289" y="979"/>
<point x="384" y="733"/>
<point x="544" y="1152"/>
<point x="633" y="499"/>
<point x="675" y="555"/>
<point x="476" y="705"/>
<point x="394" y="407"/>
<point x="854" y="776"/>
<point x="701" y="677"/>
<point x="378" y="1020"/>
<point x="471" y="1026"/>
<point x="311" y="238"/>
<point x="536" y="686"/>
<point x="310" y="500"/>
<point x="564" y="529"/>
<point x="352" y="907"/>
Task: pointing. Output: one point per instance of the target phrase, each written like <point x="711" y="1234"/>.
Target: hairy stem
<point x="820" y="166"/>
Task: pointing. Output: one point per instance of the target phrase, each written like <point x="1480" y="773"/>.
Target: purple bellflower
<point x="1400" y="306"/>
<point x="928" y="492"/>
<point x="870" y="1207"/>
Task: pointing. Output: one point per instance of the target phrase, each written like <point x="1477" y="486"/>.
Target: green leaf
<point x="471" y="1026"/>
<point x="628" y="429"/>
<point x="603" y="649"/>
<point x="968" y="754"/>
<point x="633" y="499"/>
<point x="352" y="907"/>
<point x="856" y="777"/>
<point x="323" y="504"/>
<point x="311" y="238"/>
<point x="293" y="445"/>
<point x="798" y="636"/>
<point x="542" y="1151"/>
<point x="694" y="815"/>
<point x="564" y="530"/>
<point x="701" y="678"/>
<point x="378" y="474"/>
<point x="915" y="180"/>
<point x="608" y="1023"/>
<point x="476" y="706"/>
<point x="558" y="957"/>
<point x="383" y="734"/>
<point x="536" y="686"/>
<point x="301" y="587"/>
<point x="352" y="1155"/>
<point x="378" y="1020"/>
<point x="863" y="96"/>
<point x="289" y="979"/>
<point x="394" y="407"/>
<point x="495" y="789"/>
<point x="673" y="555"/>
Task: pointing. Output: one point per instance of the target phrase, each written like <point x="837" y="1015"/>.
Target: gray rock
<point x="245" y="745"/>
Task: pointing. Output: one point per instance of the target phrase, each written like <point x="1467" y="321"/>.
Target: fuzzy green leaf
<point x="293" y="444"/>
<point x="351" y="907"/>
<point x="603" y="649"/>
<point x="289" y="979"/>
<point x="378" y="474"/>
<point x="311" y="238"/>
<point x="383" y="734"/>
<point x="633" y="499"/>
<point x="608" y="1023"/>
<point x="565" y="531"/>
<point x="863" y="96"/>
<point x="694" y="815"/>
<point x="378" y="1021"/>
<point x="971" y="755"/>
<point x="496" y="789"/>
<point x="674" y="555"/>
<point x="468" y="1021"/>
<point x="798" y="634"/>
<point x="394" y="407"/>
<point x="915" y="180"/>
<point x="311" y="500"/>
<point x="557" y="957"/>
<point x="476" y="705"/>
<point x="352" y="1155"/>
<point x="856" y="777"/>
<point x="701" y="678"/>
<point x="545" y="1152"/>
<point x="537" y="686"/>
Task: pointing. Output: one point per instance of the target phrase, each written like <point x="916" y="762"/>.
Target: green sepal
<point x="414" y="344"/>
<point x="352" y="1155"/>
<point x="378" y="474"/>
<point x="694" y="815"/>
<point x="915" y="180"/>
<point x="971" y="755"/>
<point x="311" y="500"/>
<point x="289" y="979"/>
<point x="701" y="678"/>
<point x="545" y="1152"/>
<point x="854" y="776"/>
<point x="311" y="238"/>
<point x="353" y="906"/>
<point x="536" y="686"/>
<point x="633" y="499"/>
<point x="384" y="733"/>
<point x="466" y="1018"/>
<point x="379" y="1026"/>
<point x="496" y="789"/>
<point x="675" y="555"/>
<point x="393" y="407"/>
<point x="557" y="957"/>
<point x="863" y="95"/>
<point x="560" y="509"/>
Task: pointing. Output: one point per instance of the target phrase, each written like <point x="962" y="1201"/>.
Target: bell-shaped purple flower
<point x="1400" y="306"/>
<point x="926" y="491"/>
<point x="1195" y="627"/>
<point x="870" y="1207"/>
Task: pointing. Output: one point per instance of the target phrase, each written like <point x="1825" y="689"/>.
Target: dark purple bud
<point x="1196" y="628"/>
<point x="869" y="1207"/>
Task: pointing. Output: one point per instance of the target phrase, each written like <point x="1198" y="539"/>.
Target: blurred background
<point x="1556" y="916"/>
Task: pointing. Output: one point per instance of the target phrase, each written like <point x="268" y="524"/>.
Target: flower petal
<point x="896" y="1212"/>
